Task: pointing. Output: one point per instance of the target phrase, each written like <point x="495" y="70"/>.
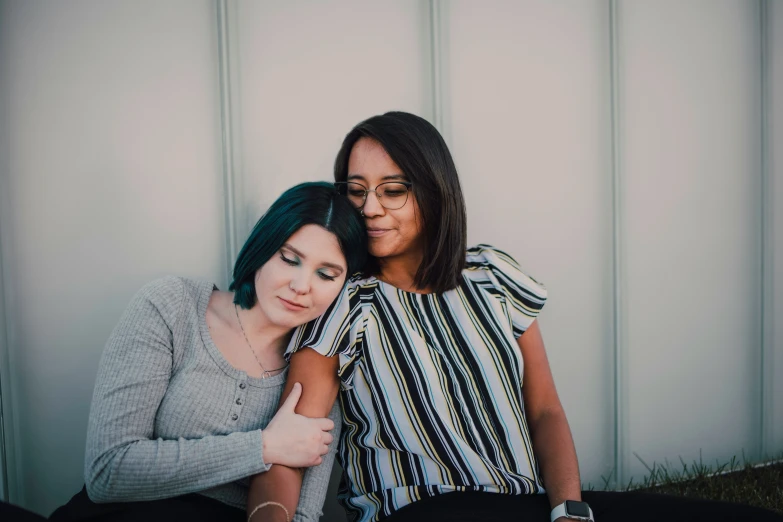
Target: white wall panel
<point x="775" y="151"/>
<point x="530" y="115"/>
<point x="308" y="72"/>
<point x="113" y="179"/>
<point x="690" y="126"/>
<point x="110" y="175"/>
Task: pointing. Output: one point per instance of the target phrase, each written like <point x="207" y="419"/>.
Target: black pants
<point x="193" y="508"/>
<point x="607" y="506"/>
<point x="456" y="507"/>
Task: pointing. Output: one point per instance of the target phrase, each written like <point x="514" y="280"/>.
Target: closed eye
<point x="326" y="277"/>
<point x="292" y="262"/>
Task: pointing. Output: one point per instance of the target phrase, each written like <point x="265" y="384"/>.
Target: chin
<point x="293" y="322"/>
<point x="285" y="321"/>
<point x="288" y="324"/>
<point x="380" y="251"/>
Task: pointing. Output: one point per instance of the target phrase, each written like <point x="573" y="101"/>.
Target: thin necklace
<point x="267" y="373"/>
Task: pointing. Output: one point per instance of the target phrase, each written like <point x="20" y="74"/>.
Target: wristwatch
<point x="573" y="510"/>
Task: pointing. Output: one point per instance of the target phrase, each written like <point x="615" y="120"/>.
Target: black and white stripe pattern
<point x="431" y="386"/>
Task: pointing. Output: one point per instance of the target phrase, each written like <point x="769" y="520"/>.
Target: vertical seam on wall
<point x="13" y="486"/>
<point x="5" y="385"/>
<point x="226" y="133"/>
<point x="619" y="406"/>
<point x="766" y="239"/>
<point x="13" y="490"/>
<point x="435" y="59"/>
<point x="437" y="64"/>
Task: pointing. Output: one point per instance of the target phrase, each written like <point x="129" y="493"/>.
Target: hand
<point x="294" y="440"/>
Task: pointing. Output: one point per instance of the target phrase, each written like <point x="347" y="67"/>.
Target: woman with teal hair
<point x="184" y="405"/>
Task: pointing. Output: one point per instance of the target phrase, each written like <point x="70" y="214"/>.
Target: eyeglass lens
<point x="392" y="195"/>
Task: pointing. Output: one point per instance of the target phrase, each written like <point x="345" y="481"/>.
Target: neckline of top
<point x="205" y="292"/>
<point x="390" y="286"/>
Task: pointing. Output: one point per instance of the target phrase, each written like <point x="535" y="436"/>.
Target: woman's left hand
<point x="294" y="440"/>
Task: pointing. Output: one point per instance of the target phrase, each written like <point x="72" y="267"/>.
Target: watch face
<point x="577" y="509"/>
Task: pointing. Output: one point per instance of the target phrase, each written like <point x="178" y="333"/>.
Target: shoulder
<point x="163" y="286"/>
<point x="488" y="262"/>
<point x="359" y="280"/>
<point x="483" y="256"/>
<point x="357" y="285"/>
<point x="344" y="312"/>
<point x="482" y="251"/>
<point x="169" y="295"/>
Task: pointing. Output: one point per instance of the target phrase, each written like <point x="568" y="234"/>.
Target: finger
<point x="317" y="461"/>
<point x="292" y="399"/>
<point x="327" y="438"/>
<point x="325" y="424"/>
<point x="324" y="449"/>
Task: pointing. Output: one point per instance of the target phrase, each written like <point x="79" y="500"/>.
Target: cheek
<point x="279" y="276"/>
<point x="324" y="296"/>
<point x="271" y="274"/>
<point x="413" y="226"/>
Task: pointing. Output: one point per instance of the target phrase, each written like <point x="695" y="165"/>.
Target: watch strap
<point x="560" y="511"/>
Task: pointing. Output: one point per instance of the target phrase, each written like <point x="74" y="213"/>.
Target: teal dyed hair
<point x="313" y="203"/>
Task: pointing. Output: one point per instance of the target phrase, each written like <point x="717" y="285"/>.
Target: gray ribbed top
<point x="171" y="416"/>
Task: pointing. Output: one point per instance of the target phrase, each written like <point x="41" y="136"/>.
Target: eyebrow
<point x="390" y="177"/>
<point x="326" y="264"/>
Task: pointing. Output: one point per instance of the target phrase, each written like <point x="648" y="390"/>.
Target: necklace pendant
<point x="266" y="374"/>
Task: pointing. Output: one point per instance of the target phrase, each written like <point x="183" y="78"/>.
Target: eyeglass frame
<point x="408" y="185"/>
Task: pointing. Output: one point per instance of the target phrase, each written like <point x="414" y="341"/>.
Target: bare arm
<point x="552" y="441"/>
<point x="315" y="479"/>
<point x="318" y="376"/>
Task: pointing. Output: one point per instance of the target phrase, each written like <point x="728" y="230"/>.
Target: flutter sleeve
<point x="338" y="332"/>
<point x="524" y="296"/>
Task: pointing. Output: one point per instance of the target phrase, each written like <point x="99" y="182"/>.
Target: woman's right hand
<point x="294" y="440"/>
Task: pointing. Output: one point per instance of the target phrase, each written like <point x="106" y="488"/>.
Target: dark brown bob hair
<point x="418" y="149"/>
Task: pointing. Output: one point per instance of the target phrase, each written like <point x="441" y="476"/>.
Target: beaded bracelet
<point x="270" y="503"/>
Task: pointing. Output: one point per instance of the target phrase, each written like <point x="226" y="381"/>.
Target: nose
<point x="300" y="284"/>
<point x="372" y="207"/>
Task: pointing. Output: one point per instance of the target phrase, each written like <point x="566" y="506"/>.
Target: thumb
<point x="292" y="399"/>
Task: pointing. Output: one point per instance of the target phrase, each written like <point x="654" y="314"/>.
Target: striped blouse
<point x="431" y="386"/>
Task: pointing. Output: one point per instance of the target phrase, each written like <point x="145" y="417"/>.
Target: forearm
<point x="153" y="469"/>
<point x="280" y="484"/>
<point x="551" y="436"/>
<point x="285" y="487"/>
<point x="554" y="448"/>
<point x="315" y="480"/>
<point x="318" y="376"/>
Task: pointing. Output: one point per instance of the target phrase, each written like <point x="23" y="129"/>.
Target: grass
<point x="739" y="481"/>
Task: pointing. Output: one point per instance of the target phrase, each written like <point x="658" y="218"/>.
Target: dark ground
<point x="762" y="486"/>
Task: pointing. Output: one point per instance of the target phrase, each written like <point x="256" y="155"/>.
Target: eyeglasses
<point x="391" y="195"/>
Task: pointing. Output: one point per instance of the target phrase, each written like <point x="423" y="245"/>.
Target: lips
<point x="294" y="307"/>
<point x="376" y="232"/>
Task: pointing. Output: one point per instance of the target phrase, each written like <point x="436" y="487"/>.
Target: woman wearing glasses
<point x="429" y="347"/>
<point x="190" y="379"/>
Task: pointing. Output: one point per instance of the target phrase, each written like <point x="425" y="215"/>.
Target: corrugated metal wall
<point x="623" y="151"/>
